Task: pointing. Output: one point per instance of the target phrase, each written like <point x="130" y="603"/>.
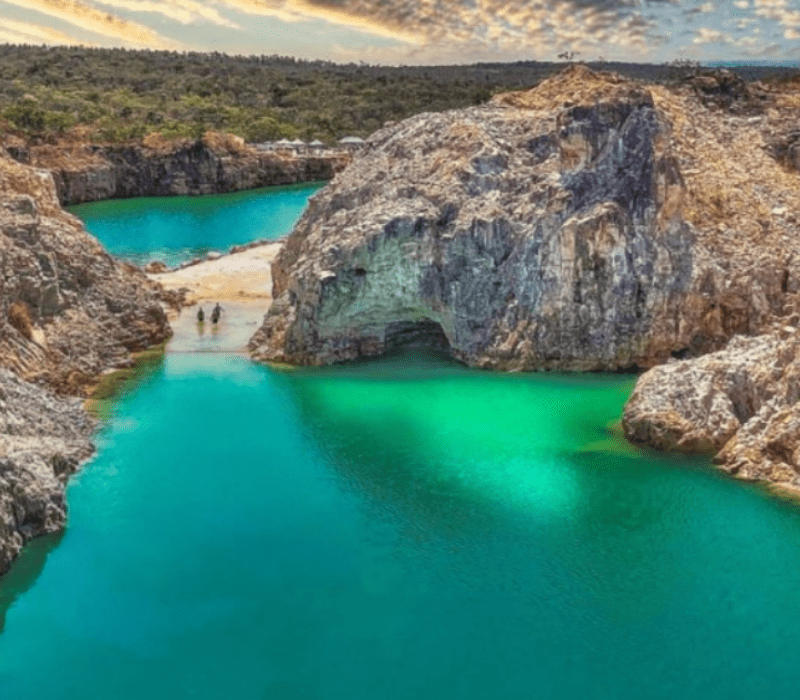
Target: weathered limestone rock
<point x="43" y="439"/>
<point x="582" y="225"/>
<point x="86" y="310"/>
<point x="725" y="89"/>
<point x="740" y="403"/>
<point x="87" y="173"/>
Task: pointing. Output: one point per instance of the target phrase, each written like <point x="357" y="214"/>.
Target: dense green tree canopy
<point x="120" y="94"/>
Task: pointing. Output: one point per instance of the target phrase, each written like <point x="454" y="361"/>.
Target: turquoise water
<point x="176" y="229"/>
<point x="403" y="528"/>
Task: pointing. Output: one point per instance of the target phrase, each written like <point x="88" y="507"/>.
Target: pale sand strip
<point x="240" y="282"/>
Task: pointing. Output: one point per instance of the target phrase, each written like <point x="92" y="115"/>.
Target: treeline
<point x="119" y="94"/>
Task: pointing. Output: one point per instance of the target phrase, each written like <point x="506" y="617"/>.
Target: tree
<point x="568" y="56"/>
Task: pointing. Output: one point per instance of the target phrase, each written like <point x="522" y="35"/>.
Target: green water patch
<point x="176" y="229"/>
<point x="473" y="431"/>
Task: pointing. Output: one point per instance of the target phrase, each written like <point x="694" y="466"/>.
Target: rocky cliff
<point x="588" y="224"/>
<point x="68" y="311"/>
<point x="43" y="439"/>
<point x="156" y="167"/>
<point x="739" y="404"/>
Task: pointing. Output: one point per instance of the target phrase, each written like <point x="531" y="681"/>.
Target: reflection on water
<point x="26" y="569"/>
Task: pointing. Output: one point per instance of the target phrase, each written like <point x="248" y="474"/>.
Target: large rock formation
<point x="739" y="404"/>
<point x="43" y="439"/>
<point x="68" y="311"/>
<point x="587" y="224"/>
<point x="157" y="167"/>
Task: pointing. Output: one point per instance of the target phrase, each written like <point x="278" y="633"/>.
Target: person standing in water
<point x="201" y="315"/>
<point x="215" y="313"/>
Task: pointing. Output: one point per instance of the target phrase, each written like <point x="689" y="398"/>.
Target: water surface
<point x="402" y="528"/>
<point x="177" y="229"/>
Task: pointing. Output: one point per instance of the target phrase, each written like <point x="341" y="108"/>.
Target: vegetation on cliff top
<point x="118" y="94"/>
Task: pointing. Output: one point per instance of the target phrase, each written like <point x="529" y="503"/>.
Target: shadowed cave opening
<point x="423" y="334"/>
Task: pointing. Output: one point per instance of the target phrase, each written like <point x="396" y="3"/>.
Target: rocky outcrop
<point x="588" y="224"/>
<point x="724" y="89"/>
<point x="43" y="439"/>
<point x="739" y="404"/>
<point x="68" y="311"/>
<point x="154" y="167"/>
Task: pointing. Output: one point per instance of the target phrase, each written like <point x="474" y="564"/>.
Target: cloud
<point x="96" y="21"/>
<point x="293" y="11"/>
<point x="778" y="11"/>
<point x="182" y="11"/>
<point x="17" y="32"/>
<point x="704" y="35"/>
<point x="482" y="25"/>
<point x="546" y="28"/>
<point x="438" y="31"/>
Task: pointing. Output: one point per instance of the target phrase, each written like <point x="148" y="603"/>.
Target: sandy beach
<point x="240" y="282"/>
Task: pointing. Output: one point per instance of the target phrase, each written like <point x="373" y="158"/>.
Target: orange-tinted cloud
<point x="436" y="31"/>
<point x="18" y="32"/>
<point x="183" y="11"/>
<point x="94" y="20"/>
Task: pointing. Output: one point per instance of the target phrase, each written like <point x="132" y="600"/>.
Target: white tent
<point x="316" y="144"/>
<point x="352" y="141"/>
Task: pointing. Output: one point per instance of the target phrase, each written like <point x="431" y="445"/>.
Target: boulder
<point x="738" y="404"/>
<point x="87" y="311"/>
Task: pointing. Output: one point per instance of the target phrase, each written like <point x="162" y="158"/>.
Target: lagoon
<point x="177" y="229"/>
<point x="397" y="528"/>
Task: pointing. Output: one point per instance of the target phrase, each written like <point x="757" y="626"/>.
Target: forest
<point x="114" y="95"/>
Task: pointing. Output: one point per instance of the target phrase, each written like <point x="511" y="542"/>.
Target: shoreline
<point x="240" y="281"/>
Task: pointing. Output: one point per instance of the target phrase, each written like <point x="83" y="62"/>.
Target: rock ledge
<point x="739" y="404"/>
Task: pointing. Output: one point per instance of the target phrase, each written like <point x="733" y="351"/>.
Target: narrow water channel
<point x="398" y="528"/>
<point x="176" y="229"/>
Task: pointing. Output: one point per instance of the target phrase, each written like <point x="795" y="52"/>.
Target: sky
<point x="409" y="32"/>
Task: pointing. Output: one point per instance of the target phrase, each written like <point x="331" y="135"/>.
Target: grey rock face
<point x="586" y="224"/>
<point x="43" y="439"/>
<point x="185" y="168"/>
<point x="527" y="239"/>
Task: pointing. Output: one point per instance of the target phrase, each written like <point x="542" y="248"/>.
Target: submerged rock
<point x="559" y="228"/>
